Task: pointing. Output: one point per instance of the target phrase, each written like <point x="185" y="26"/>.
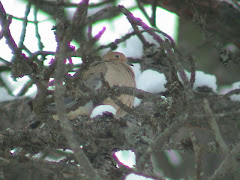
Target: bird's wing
<point x="92" y="77"/>
<point x="120" y="74"/>
<point x="114" y="72"/>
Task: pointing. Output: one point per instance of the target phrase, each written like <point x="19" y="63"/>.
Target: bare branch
<point x="63" y="41"/>
<point x="214" y="126"/>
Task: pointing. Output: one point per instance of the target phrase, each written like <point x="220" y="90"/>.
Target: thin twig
<point x="193" y="71"/>
<point x="21" y="19"/>
<point x="25" y="88"/>
<point x="40" y="44"/>
<point x="134" y="22"/>
<point x="139" y="22"/>
<point x="105" y="13"/>
<point x="143" y="11"/>
<point x="232" y="92"/>
<point x="5" y="61"/>
<point x="93" y="40"/>
<point x="24" y="25"/>
<point x="198" y="156"/>
<point x="162" y="137"/>
<point x="42" y="53"/>
<point x="5" y="23"/>
<point x="154" y="9"/>
<point x="214" y="126"/>
<point x="236" y="4"/>
<point x="113" y="45"/>
<point x="8" y="89"/>
<point x="114" y="97"/>
<point x="226" y="163"/>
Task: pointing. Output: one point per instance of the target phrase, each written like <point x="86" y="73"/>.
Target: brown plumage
<point x="115" y="71"/>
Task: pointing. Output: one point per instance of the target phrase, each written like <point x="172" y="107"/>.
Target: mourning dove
<point x="116" y="71"/>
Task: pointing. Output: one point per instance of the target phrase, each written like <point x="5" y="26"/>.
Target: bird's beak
<point x="130" y="64"/>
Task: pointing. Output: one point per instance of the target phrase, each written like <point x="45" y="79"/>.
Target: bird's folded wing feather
<point x="115" y="73"/>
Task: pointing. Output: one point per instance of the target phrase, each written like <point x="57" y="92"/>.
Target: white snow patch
<point x="137" y="50"/>
<point x="133" y="176"/>
<point x="126" y="157"/>
<point x="150" y="81"/>
<point x="203" y="79"/>
<point x="99" y="110"/>
<point x="4" y="96"/>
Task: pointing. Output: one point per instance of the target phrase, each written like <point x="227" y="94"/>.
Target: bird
<point x="116" y="71"/>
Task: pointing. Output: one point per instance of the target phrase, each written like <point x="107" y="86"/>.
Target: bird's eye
<point x="117" y="56"/>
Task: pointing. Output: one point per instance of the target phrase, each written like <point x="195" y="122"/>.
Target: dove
<point x="115" y="70"/>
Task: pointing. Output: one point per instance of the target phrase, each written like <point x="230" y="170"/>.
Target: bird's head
<point x="115" y="56"/>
